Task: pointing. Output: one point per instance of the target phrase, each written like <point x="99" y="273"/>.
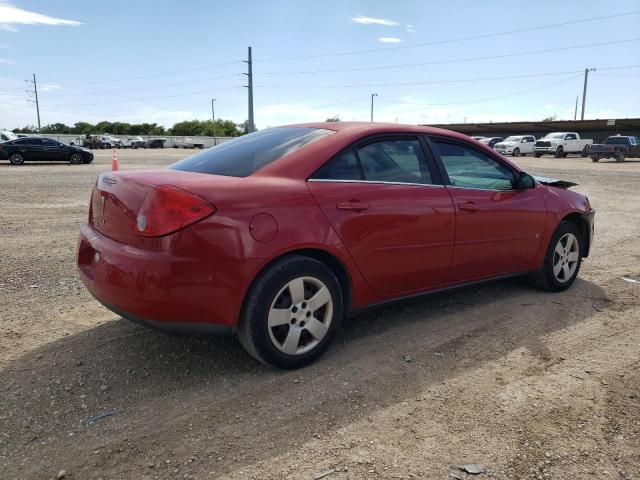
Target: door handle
<point x="468" y="206"/>
<point x="352" y="206"/>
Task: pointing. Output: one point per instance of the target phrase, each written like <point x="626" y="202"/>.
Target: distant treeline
<point x="223" y="128"/>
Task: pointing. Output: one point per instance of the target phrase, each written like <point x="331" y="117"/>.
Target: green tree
<point x="333" y="119"/>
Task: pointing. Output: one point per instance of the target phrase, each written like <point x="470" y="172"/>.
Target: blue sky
<point x="163" y="61"/>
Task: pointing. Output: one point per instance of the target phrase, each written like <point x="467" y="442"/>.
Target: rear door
<point x="31" y="148"/>
<point x="385" y="200"/>
<point x="498" y="228"/>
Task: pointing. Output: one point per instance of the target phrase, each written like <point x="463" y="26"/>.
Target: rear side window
<point x="396" y="161"/>
<point x="617" y="141"/>
<point x="245" y="155"/>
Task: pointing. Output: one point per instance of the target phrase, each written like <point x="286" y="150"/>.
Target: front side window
<point x="469" y="168"/>
<point x="395" y="161"/>
<point x="571" y="136"/>
<point x="245" y="155"/>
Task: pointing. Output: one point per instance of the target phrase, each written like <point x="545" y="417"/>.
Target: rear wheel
<point x="620" y="156"/>
<point x="16" y="158"/>
<point x="292" y="313"/>
<point x="562" y="261"/>
<point x="559" y="152"/>
<point x="516" y="152"/>
<point x="585" y="151"/>
<point x="75" y="159"/>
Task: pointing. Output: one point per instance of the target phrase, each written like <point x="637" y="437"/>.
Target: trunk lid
<point x="118" y="197"/>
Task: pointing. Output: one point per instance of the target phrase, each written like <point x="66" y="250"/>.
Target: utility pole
<point x="584" y="90"/>
<point x="251" y="126"/>
<point x="372" y="95"/>
<point x="35" y="92"/>
<point x="213" y="115"/>
<point x="575" y="112"/>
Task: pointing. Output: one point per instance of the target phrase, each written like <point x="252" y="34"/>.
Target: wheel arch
<point x="332" y="261"/>
<point x="583" y="228"/>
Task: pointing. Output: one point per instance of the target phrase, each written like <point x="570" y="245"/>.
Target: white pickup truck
<point x="560" y="144"/>
<point x="516" y="145"/>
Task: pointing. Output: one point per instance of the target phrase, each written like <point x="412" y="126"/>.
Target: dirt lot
<point x="527" y="384"/>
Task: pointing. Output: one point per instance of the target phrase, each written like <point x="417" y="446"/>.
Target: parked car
<point x="490" y="141"/>
<point x="91" y="141"/>
<point x="618" y="147"/>
<point x="516" y="145"/>
<point x="560" y="144"/>
<point x="43" y="149"/>
<point x="155" y="143"/>
<point x="21" y="135"/>
<point x="114" y="141"/>
<point x="279" y="234"/>
<point x="134" y="142"/>
<point x="6" y="135"/>
<point x="187" y="142"/>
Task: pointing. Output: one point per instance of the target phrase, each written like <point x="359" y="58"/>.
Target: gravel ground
<point x="529" y="385"/>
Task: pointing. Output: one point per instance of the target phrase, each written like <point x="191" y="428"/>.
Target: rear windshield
<point x="245" y="155"/>
<point x="617" y="141"/>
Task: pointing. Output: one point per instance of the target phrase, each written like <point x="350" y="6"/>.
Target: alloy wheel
<point x="565" y="257"/>
<point x="16" y="159"/>
<point x="76" y="159"/>
<point x="300" y="315"/>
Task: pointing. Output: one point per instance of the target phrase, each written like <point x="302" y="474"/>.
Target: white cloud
<point x="409" y="28"/>
<point x="8" y="62"/>
<point x="361" y="19"/>
<point x="11" y="15"/>
<point x="389" y="40"/>
<point x="47" y="87"/>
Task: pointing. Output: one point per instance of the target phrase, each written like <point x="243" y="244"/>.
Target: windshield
<point x="245" y="155"/>
<point x="555" y="135"/>
<point x="617" y="141"/>
<point x="513" y="139"/>
<point x="6" y="136"/>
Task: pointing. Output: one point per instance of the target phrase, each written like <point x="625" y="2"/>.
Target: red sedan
<point x="280" y="234"/>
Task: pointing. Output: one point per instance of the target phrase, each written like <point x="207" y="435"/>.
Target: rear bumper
<point x="188" y="289"/>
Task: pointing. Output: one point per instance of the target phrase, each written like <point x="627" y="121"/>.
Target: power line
<point x="152" y="98"/>
<point x="454" y="40"/>
<point x="488" y="99"/>
<point x="151" y="75"/>
<point x="460" y="60"/>
<point x="173" y="84"/>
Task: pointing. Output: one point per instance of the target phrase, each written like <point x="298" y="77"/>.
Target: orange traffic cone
<point x="114" y="161"/>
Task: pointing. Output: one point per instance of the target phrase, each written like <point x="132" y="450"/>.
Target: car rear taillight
<point x="167" y="209"/>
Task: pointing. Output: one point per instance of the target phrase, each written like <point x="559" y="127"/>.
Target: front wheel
<point x="292" y="313"/>
<point x="562" y="261"/>
<point x="595" y="158"/>
<point x="559" y="152"/>
<point x="75" y="159"/>
<point x="537" y="155"/>
<point x="516" y="152"/>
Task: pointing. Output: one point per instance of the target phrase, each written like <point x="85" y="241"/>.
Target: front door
<point x="390" y="211"/>
<point x="498" y="228"/>
<point x="53" y="150"/>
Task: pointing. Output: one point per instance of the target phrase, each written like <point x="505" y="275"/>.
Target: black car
<point x="155" y="143"/>
<point x="42" y="149"/>
<point x="491" y="141"/>
<point x="618" y="147"/>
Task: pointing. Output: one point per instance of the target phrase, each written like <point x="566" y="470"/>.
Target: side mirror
<point x="524" y="181"/>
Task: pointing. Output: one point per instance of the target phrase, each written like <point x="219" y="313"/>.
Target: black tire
<point x="585" y="151"/>
<point x="253" y="330"/>
<point x="595" y="158"/>
<point x="16" y="158"/>
<point x="537" y="155"/>
<point x="75" y="159"/>
<point x="544" y="279"/>
<point x="559" y="152"/>
<point x="620" y="156"/>
<point x="516" y="152"/>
